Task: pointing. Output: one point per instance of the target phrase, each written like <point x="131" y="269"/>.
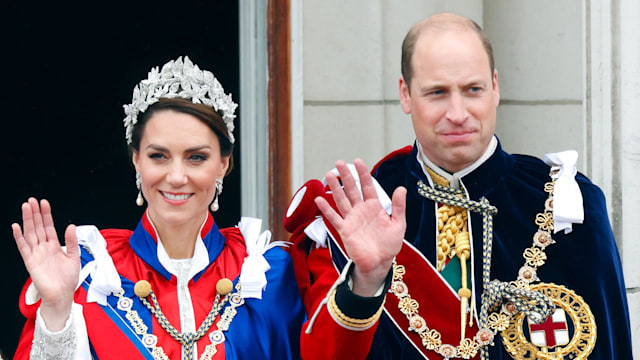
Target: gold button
<point x="224" y="286"/>
<point x="142" y="288"/>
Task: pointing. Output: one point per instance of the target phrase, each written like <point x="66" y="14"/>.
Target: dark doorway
<point x="68" y="69"/>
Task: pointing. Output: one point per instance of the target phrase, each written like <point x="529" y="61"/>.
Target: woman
<point x="176" y="287"/>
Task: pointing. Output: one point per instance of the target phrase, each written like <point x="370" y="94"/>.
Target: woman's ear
<point x="135" y="159"/>
<point x="224" y="166"/>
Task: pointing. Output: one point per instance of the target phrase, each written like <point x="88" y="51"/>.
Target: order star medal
<point x="570" y="331"/>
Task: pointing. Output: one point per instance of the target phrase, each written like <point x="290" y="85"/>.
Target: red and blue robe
<point x="266" y="328"/>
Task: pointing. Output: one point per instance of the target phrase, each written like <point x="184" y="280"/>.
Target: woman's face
<point x="179" y="160"/>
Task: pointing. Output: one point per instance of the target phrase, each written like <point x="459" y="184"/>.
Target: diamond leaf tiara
<point x="180" y="78"/>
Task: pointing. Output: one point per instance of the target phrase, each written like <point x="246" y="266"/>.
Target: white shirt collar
<point x="454" y="179"/>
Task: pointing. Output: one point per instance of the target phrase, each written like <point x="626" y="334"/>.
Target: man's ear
<point x="405" y="96"/>
<point x="496" y="87"/>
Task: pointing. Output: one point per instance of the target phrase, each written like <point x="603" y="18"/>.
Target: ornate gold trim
<point x="349" y="321"/>
<point x="584" y="326"/>
<point x="582" y="342"/>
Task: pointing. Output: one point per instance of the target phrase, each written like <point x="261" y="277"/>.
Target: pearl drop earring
<point x="139" y="199"/>
<point x="214" y="205"/>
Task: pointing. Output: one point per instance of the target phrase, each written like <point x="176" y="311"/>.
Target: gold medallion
<point x="570" y="333"/>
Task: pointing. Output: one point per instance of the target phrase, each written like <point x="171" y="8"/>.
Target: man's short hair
<point x="440" y="22"/>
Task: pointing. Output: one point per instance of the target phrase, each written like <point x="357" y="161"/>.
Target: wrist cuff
<point x="355" y="311"/>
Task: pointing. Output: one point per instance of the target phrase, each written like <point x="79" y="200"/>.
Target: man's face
<point x="453" y="97"/>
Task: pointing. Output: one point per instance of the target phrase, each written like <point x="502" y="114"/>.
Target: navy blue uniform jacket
<point x="585" y="260"/>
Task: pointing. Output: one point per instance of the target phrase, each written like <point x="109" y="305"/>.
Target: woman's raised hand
<point x="54" y="273"/>
<point x="371" y="237"/>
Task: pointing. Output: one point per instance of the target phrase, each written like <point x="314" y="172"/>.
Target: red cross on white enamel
<point x="554" y="324"/>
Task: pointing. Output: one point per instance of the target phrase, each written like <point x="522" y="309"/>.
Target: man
<point x="504" y="256"/>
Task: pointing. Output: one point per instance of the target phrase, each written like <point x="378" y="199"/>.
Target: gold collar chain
<point x="511" y="325"/>
<point x="431" y="338"/>
<point x="150" y="340"/>
<point x="534" y="257"/>
<point x="497" y="321"/>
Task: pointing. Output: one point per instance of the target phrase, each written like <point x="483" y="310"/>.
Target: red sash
<point x="438" y="303"/>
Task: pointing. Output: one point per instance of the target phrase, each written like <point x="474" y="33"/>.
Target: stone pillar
<point x="612" y="36"/>
<point x="628" y="152"/>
